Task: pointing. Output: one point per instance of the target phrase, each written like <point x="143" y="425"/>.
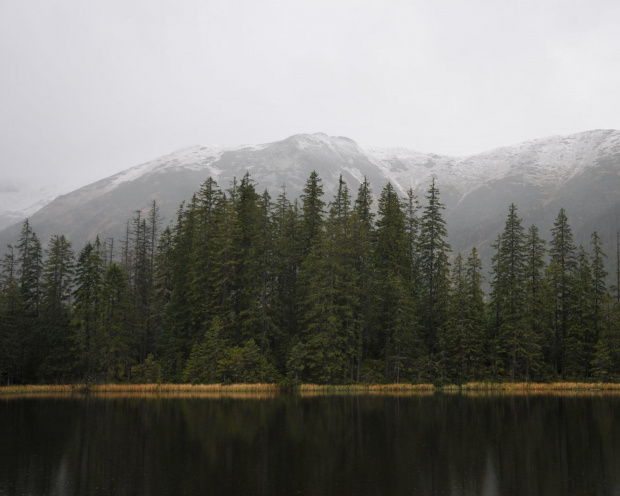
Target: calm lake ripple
<point x="324" y="445"/>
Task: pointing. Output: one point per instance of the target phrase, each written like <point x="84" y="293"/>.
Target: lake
<point x="419" y="444"/>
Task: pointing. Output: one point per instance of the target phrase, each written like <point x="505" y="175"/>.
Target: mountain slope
<point x="580" y="172"/>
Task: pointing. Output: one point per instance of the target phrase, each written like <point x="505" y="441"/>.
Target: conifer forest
<point x="244" y="287"/>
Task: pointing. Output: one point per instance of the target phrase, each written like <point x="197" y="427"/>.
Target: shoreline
<point x="273" y="389"/>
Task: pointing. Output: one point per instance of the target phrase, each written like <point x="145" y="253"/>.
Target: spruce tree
<point x="116" y="321"/>
<point x="395" y="322"/>
<point x="453" y="363"/>
<point x="473" y="340"/>
<point x="538" y="317"/>
<point x="600" y="294"/>
<point x="313" y="210"/>
<point x="580" y="316"/>
<point x="11" y="314"/>
<point x="465" y="326"/>
<point x="30" y="266"/>
<point x="434" y="252"/>
<point x="180" y="312"/>
<point x="56" y="309"/>
<point x="560" y="274"/>
<point x="87" y="300"/>
<point x="327" y="281"/>
<point x="362" y="234"/>
<point x="287" y="263"/>
<point x="508" y="297"/>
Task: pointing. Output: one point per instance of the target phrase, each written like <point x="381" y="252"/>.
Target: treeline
<point x="245" y="288"/>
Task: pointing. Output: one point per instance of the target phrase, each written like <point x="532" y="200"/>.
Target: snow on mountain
<point x="549" y="161"/>
<point x="8" y="217"/>
<point x="476" y="189"/>
<point x="546" y="161"/>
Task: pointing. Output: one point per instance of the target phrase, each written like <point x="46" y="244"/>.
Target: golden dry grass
<point x="139" y="388"/>
<point x="271" y="390"/>
<point x="313" y="390"/>
<point x="537" y="386"/>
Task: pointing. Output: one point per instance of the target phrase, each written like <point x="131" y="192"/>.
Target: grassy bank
<point x="308" y="389"/>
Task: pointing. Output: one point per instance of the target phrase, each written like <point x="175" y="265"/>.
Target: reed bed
<point x="183" y="388"/>
<point x="138" y="388"/>
<point x="270" y="390"/>
<point x="538" y="386"/>
<point x="38" y="389"/>
<point x="564" y="393"/>
<point x="372" y="389"/>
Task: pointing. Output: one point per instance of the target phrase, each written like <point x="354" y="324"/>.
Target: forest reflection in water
<point x="315" y="445"/>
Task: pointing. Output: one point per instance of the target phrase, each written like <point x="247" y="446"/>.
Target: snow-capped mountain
<point x="580" y="172"/>
<point x="10" y="216"/>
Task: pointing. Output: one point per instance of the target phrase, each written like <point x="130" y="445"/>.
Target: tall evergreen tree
<point x="328" y="279"/>
<point x="174" y="341"/>
<point x="287" y="260"/>
<point x="508" y="296"/>
<point x="362" y="234"/>
<point x="116" y="320"/>
<point x="394" y="306"/>
<point x="465" y="326"/>
<point x="560" y="273"/>
<point x="30" y="266"/>
<point x="580" y="314"/>
<point x="56" y="307"/>
<point x="87" y="299"/>
<point x="434" y="252"/>
<point x="12" y="310"/>
<point x="313" y="211"/>
<point x="538" y="318"/>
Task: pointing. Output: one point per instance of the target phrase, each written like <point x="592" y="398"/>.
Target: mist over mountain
<point x="580" y="173"/>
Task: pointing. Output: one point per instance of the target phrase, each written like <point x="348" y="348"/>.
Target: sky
<point x="89" y="88"/>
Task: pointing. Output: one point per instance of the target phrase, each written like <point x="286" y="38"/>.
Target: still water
<point x="322" y="445"/>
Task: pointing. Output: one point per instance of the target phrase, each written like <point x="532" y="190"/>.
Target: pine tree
<point x="12" y="309"/>
<point x="163" y="277"/>
<point x="327" y="280"/>
<point x="181" y="309"/>
<point x="254" y="278"/>
<point x="87" y="299"/>
<point x="465" y="326"/>
<point x="538" y="317"/>
<point x="362" y="235"/>
<point x="580" y="315"/>
<point x="453" y="362"/>
<point x="313" y="210"/>
<point x="56" y="310"/>
<point x="30" y="266"/>
<point x="259" y="320"/>
<point x="434" y="251"/>
<point x="116" y="321"/>
<point x="560" y="274"/>
<point x="287" y="262"/>
<point x="473" y="342"/>
<point x="202" y="366"/>
<point x="600" y="295"/>
<point x="508" y="297"/>
<point x="395" y="322"/>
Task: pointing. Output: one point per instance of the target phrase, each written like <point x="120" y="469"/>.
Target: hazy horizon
<point x="90" y="89"/>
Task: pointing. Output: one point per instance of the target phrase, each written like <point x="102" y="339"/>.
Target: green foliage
<point x="396" y="334"/>
<point x="243" y="289"/>
<point x="514" y="345"/>
<point x="148" y="372"/>
<point x="433" y="255"/>
<point x="561" y="275"/>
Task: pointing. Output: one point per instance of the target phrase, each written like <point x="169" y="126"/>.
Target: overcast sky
<point x="88" y="88"/>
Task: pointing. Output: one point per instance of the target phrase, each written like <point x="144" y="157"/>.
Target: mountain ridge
<point x="535" y="174"/>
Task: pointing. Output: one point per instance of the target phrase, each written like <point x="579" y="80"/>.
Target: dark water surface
<point x="326" y="445"/>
